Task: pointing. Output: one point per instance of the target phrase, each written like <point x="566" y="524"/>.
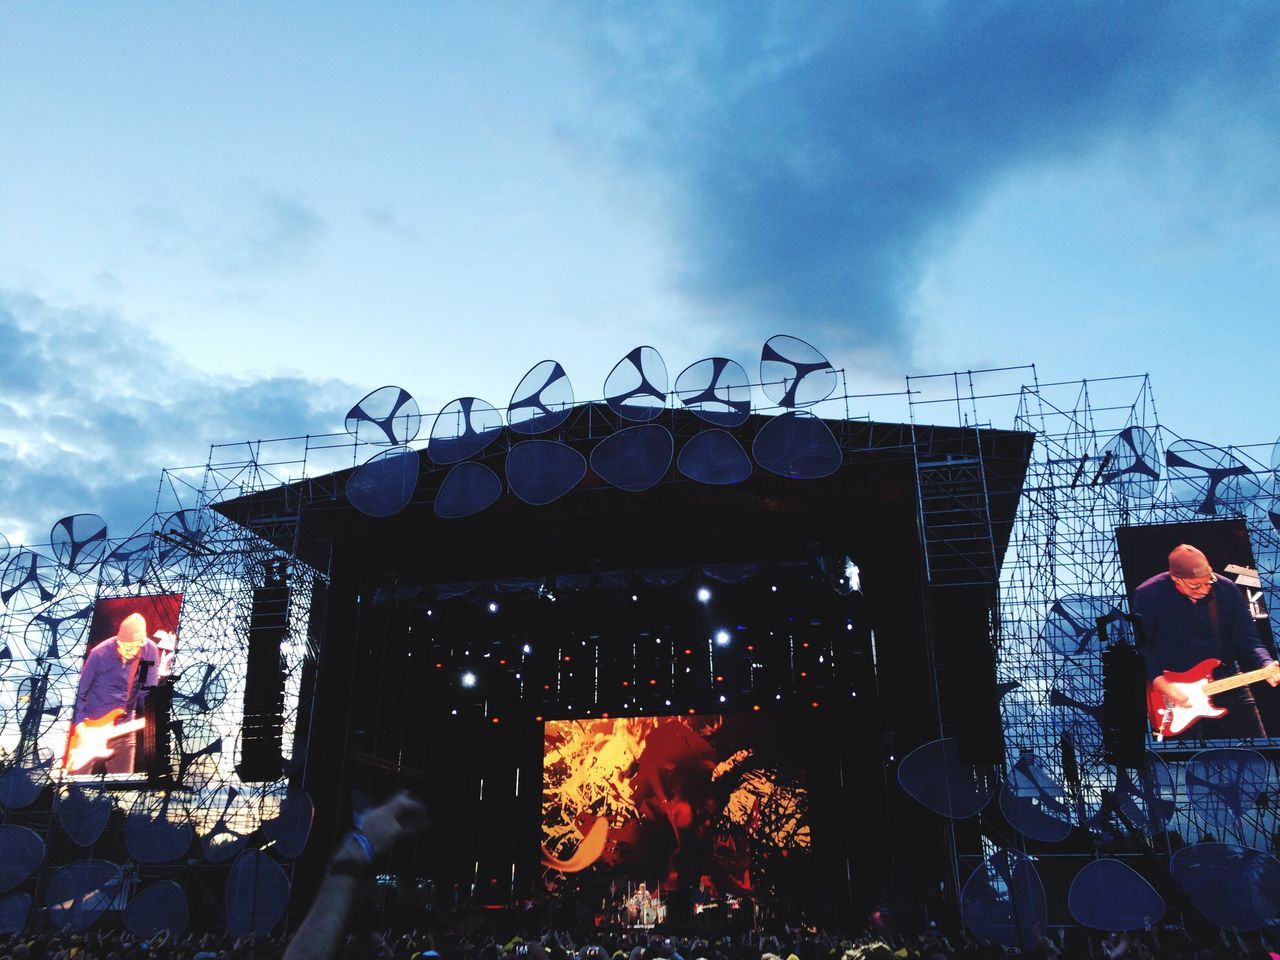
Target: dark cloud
<point x="92" y="409"/>
<point x="819" y="153"/>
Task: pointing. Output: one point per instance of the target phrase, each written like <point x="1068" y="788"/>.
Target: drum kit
<point x="642" y="909"/>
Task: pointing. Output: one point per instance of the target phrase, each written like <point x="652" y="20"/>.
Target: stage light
<point x="453" y="712"/>
<point x="722" y="638"/>
<point x="428" y="611"/>
<point x="526" y="649"/>
<point x="704" y="595"/>
<point x="634" y="598"/>
<point x="773" y="588"/>
<point x="494" y="720"/>
<point x="468" y="679"/>
<point x="493" y="606"/>
<point x="848" y="625"/>
<point x="852" y="575"/>
<point x="668" y="703"/>
<point x="755" y="707"/>
<point x="722" y="698"/>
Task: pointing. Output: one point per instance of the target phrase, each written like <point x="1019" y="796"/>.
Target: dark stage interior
<point x="589" y="608"/>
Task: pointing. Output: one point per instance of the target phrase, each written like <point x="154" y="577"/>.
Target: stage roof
<point x="597" y="527"/>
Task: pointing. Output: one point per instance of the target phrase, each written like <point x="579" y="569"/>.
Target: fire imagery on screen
<point x="132" y="641"/>
<point x="701" y="808"/>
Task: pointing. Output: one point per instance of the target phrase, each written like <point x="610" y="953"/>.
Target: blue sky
<point x="229" y="221"/>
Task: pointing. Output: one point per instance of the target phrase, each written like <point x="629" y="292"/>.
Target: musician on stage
<point x="117" y="674"/>
<point x="1189" y="614"/>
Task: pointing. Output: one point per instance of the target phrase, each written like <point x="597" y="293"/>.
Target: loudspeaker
<point x="262" y="730"/>
<point x="1123" y="706"/>
<point x="963" y="619"/>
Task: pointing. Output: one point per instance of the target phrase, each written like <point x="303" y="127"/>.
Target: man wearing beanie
<point x="114" y="677"/>
<point x="1189" y="615"/>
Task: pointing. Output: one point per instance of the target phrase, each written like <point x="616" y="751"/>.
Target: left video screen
<point x="130" y="653"/>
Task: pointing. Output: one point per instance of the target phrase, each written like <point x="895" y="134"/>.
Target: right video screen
<point x="1202" y="627"/>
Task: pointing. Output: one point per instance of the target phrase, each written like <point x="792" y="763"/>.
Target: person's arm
<point x="1249" y="649"/>
<point x="320" y="935"/>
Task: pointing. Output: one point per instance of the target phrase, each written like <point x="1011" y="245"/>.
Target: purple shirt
<point x="107" y="682"/>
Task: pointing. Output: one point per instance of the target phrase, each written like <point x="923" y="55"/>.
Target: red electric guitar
<point x="91" y="738"/>
<point x="1197" y="685"/>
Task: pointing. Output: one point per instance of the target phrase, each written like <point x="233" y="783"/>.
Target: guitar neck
<point x="1239" y="680"/>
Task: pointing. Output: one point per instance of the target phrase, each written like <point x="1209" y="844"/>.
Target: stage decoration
<point x="156" y="829"/>
<point x="387" y="416"/>
<point x="128" y="563"/>
<point x="221" y="842"/>
<point x="1131" y="464"/>
<point x="715" y="457"/>
<point x="385" y="483"/>
<point x="934" y="775"/>
<point x="636" y="388"/>
<point x="1034" y="803"/>
<point x="22" y="782"/>
<point x="83" y="811"/>
<point x="79" y="541"/>
<point x="59" y="628"/>
<point x="463" y="429"/>
<point x="182" y="534"/>
<point x="467" y="489"/>
<point x="291" y="826"/>
<point x="5" y="549"/>
<point x="79" y="893"/>
<point x="633" y="459"/>
<point x="1071" y="625"/>
<point x="29" y="580"/>
<point x="1198" y="469"/>
<point x="14" y="910"/>
<point x="160" y="907"/>
<point x="21" y="853"/>
<point x="542" y="471"/>
<point x="1003" y="901"/>
<point x="1224" y="784"/>
<point x="717" y="390"/>
<point x="256" y="895"/>
<point x="797" y="445"/>
<point x="200" y="689"/>
<point x="1109" y="895"/>
<point x="1235" y="887"/>
<point x="1147" y="797"/>
<point x="541" y="401"/>
<point x="794" y="373"/>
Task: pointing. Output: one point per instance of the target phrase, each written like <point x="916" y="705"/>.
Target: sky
<point x="222" y="222"/>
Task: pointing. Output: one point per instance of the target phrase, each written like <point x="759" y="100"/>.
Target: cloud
<point x="821" y="154"/>
<point x="92" y="409"/>
<point x="250" y="231"/>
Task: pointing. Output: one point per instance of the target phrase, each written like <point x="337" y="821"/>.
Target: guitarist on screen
<point x="112" y="685"/>
<point x="1198" y="634"/>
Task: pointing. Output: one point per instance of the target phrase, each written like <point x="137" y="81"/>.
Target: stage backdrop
<point x="678" y="803"/>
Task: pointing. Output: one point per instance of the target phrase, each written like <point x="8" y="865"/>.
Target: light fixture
<point x="704" y="595"/>
<point x="468" y="679"/>
<point x="493" y="606"/>
<point x="722" y="638"/>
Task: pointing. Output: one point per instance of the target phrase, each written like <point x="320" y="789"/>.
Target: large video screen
<point x="690" y="814"/>
<point x="130" y="652"/>
<point x="1202" y="627"/>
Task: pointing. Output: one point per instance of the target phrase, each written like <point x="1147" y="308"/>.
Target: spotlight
<point x="704" y="595"/>
<point x="722" y="638"/>
<point x="493" y="606"/>
<point x="722" y="698"/>
<point x="634" y="598"/>
<point x="773" y="588"/>
<point x="468" y="679"/>
<point x="526" y="649"/>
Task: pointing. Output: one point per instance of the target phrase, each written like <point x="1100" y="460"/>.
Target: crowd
<point x="1166" y="944"/>
<point x="324" y="933"/>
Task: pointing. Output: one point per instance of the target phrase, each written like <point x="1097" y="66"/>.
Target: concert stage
<point x="493" y="662"/>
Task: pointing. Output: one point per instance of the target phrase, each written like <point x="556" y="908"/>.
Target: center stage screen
<point x="705" y="810"/>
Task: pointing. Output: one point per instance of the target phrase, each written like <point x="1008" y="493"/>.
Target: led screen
<point x="130" y="652"/>
<point x="695" y="814"/>
<point x="1197" y="599"/>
